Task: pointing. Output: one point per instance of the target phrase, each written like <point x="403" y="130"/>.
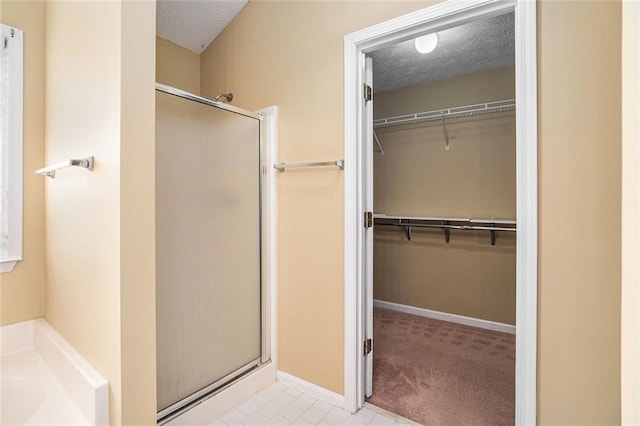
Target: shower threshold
<point x="185" y="404"/>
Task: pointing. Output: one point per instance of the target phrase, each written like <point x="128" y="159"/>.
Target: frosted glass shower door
<point x="208" y="231"/>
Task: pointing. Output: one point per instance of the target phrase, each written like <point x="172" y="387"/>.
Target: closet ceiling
<point x="193" y="24"/>
<point x="481" y="45"/>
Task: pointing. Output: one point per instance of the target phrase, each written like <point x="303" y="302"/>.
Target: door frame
<point x="356" y="45"/>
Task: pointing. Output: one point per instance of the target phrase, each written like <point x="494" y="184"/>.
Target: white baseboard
<point x="443" y="316"/>
<point x="311" y="389"/>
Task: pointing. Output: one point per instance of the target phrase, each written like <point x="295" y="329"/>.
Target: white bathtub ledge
<point x="86" y="387"/>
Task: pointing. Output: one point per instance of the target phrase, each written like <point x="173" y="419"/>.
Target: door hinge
<point x="368" y="93"/>
<point x="368" y="346"/>
<point x="368" y="219"/>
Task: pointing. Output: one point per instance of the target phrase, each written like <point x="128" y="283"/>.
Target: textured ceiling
<point x="480" y="45"/>
<point x="193" y="24"/>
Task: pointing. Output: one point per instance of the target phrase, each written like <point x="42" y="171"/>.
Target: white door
<point x="368" y="243"/>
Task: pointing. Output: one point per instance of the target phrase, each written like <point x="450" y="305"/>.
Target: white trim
<point x="270" y="147"/>
<point x="7" y="265"/>
<point x="437" y="17"/>
<point x="526" y="211"/>
<point x="352" y="231"/>
<point x="630" y="310"/>
<point x="311" y="389"/>
<point x="12" y="136"/>
<point x="444" y="316"/>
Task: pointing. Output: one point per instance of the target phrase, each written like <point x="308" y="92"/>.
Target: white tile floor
<point x="280" y="404"/>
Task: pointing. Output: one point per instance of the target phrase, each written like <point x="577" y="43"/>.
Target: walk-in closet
<point x="444" y="245"/>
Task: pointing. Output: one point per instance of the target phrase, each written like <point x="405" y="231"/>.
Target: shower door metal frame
<point x="188" y="402"/>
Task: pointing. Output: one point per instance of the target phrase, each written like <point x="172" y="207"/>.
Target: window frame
<point x="11" y="143"/>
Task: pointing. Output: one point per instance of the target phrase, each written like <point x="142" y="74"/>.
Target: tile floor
<point x="280" y="404"/>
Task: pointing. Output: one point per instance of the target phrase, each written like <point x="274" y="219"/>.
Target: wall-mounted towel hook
<point x="50" y="171"/>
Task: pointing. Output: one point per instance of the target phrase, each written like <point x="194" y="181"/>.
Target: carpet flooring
<point x="440" y="373"/>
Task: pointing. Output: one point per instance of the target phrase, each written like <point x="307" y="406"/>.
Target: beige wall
<point x="579" y="107"/>
<point x="83" y="209"/>
<point x="290" y="54"/>
<point x="177" y="66"/>
<point x="22" y="290"/>
<point x="630" y="372"/>
<point x="137" y="213"/>
<point x="99" y="225"/>
<point x="475" y="178"/>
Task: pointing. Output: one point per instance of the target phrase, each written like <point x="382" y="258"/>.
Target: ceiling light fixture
<point x="426" y="43"/>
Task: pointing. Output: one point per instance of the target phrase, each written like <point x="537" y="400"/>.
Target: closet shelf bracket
<point x="493" y="235"/>
<point x="377" y="141"/>
<point x="407" y="230"/>
<point x="446" y="132"/>
<point x="447" y="230"/>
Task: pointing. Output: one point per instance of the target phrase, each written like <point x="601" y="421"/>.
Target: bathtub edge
<point x="88" y="389"/>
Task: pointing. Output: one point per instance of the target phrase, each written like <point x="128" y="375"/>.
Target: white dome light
<point x="426" y="43"/>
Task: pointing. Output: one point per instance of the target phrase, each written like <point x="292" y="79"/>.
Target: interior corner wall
<point x="82" y="110"/>
<point x="177" y="67"/>
<point x="22" y="290"/>
<point x="290" y="54"/>
<point x="137" y="213"/>
<point x="579" y="246"/>
<point x="630" y="372"/>
<point x="100" y="232"/>
<point x="474" y="178"/>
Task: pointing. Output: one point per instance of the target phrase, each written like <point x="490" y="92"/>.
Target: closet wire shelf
<point x="447" y="113"/>
<point x="447" y="224"/>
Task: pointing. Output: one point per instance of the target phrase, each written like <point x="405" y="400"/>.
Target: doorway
<point x="359" y="148"/>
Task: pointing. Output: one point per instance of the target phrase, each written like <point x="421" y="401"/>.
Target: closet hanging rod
<point x="447" y="113"/>
<point x="281" y="167"/>
<point x="442" y="226"/>
<point x="451" y="219"/>
<point x="50" y="171"/>
<point x="447" y="224"/>
<point x="448" y="219"/>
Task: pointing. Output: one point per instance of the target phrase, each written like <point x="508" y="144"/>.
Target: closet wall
<point x="475" y="178"/>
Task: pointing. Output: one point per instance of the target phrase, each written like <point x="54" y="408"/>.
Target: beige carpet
<point x="440" y="373"/>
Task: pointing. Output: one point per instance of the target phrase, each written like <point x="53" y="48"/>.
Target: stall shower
<point x="209" y="247"/>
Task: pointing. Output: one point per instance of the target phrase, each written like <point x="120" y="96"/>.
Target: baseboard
<point x="443" y="316"/>
<point x="311" y="389"/>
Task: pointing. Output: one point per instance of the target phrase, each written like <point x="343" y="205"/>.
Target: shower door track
<point x="179" y="407"/>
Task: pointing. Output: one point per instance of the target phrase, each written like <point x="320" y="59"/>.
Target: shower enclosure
<point x="210" y="312"/>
